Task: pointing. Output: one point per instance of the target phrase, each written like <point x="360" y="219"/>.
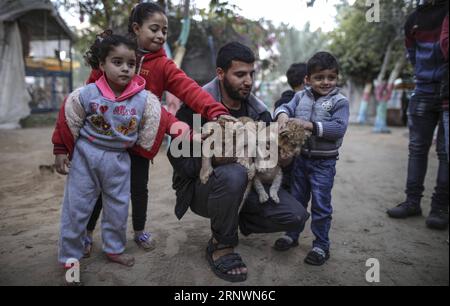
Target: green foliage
<point x="102" y="15"/>
<point x="355" y="44"/>
<point x="222" y="21"/>
<point x="222" y="9"/>
<point x="298" y="45"/>
<point x="360" y="45"/>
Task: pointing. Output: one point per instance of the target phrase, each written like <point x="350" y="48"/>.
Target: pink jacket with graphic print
<point x="155" y="123"/>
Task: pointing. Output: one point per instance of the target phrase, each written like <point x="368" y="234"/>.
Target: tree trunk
<point x="107" y="11"/>
<point x="397" y="70"/>
<point x="362" y="116"/>
<point x="387" y="59"/>
<point x="384" y="94"/>
<point x="380" y="88"/>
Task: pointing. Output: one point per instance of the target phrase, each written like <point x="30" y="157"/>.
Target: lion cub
<point x="290" y="141"/>
<point x="245" y="125"/>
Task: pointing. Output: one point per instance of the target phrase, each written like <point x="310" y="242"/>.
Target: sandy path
<point x="371" y="178"/>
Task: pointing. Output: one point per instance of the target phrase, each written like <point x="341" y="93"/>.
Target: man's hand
<point x="282" y="120"/>
<point x="223" y="119"/>
<point x="61" y="162"/>
<point x="227" y="118"/>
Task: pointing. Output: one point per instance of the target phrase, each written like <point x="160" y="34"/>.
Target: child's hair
<point x="104" y="44"/>
<point x="234" y="51"/>
<point x="296" y="75"/>
<point x="141" y="12"/>
<point x="322" y="61"/>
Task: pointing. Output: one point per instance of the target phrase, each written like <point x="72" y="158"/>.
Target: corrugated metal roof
<point x="33" y="13"/>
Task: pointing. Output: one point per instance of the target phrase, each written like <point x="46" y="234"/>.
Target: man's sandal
<point x="223" y="265"/>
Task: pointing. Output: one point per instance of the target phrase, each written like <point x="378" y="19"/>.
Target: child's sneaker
<point x="317" y="257"/>
<point x="285" y="243"/>
<point x="145" y="241"/>
<point x="88" y="242"/>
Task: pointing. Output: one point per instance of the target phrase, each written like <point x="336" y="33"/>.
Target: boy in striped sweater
<point x="324" y="111"/>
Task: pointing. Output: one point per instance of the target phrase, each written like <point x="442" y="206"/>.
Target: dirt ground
<point x="370" y="179"/>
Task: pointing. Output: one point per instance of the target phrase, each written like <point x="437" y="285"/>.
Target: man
<point x="444" y="86"/>
<point x="422" y="30"/>
<point x="220" y="198"/>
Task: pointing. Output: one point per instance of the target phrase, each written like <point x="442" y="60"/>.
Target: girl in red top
<point x="148" y="24"/>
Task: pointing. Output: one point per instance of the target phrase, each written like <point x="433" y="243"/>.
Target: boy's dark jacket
<point x="286" y="97"/>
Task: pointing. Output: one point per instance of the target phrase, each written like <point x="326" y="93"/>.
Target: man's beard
<point x="234" y="94"/>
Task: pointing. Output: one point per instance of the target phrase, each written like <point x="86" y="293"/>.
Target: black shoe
<point x="284" y="244"/>
<point x="438" y="219"/>
<point x="317" y="257"/>
<point x="405" y="210"/>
